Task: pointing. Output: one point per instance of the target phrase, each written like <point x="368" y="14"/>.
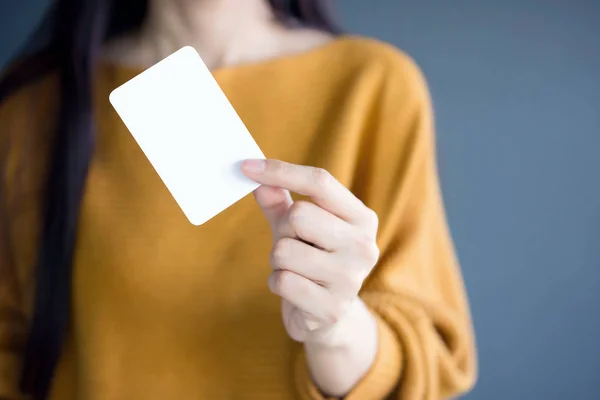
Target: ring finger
<point x="305" y="294"/>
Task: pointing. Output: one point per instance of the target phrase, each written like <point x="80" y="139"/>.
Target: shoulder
<point x="364" y="51"/>
<point x="19" y="95"/>
<point x="28" y="112"/>
<point x="378" y="60"/>
<point x="393" y="97"/>
<point x="383" y="83"/>
<point x="28" y="105"/>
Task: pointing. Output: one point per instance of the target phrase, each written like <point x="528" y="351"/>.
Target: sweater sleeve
<point x="13" y="325"/>
<point x="24" y="121"/>
<point x="13" y="321"/>
<point x="416" y="291"/>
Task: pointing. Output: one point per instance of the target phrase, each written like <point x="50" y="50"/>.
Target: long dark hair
<point x="68" y="42"/>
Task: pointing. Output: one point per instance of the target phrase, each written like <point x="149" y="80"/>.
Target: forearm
<point x="346" y="353"/>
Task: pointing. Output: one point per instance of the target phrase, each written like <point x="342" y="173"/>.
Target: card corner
<point x="112" y="96"/>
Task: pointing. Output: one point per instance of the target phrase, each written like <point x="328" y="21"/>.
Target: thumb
<point x="274" y="202"/>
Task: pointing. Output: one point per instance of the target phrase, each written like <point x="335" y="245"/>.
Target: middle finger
<point x="313" y="224"/>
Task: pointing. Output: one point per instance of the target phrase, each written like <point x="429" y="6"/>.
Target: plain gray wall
<point x="516" y="87"/>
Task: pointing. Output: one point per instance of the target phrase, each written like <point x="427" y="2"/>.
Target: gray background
<point x="516" y="87"/>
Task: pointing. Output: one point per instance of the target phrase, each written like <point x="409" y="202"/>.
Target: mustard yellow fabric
<point x="166" y="310"/>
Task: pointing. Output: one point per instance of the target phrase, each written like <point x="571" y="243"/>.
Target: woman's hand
<point x="322" y="251"/>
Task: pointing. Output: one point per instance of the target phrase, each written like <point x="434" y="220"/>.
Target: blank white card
<point x="189" y="132"/>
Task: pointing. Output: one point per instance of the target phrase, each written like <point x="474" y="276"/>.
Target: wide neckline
<point x="291" y="58"/>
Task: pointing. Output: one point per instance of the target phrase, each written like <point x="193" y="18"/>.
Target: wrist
<point x="357" y="326"/>
<point x="341" y="357"/>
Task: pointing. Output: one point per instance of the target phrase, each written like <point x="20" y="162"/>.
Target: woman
<point x="107" y="292"/>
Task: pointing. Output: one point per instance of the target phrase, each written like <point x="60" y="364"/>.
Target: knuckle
<point x="322" y="177"/>
<point x="349" y="281"/>
<point x="279" y="168"/>
<point x="280" y="252"/>
<point x="374" y="253"/>
<point x="282" y="282"/>
<point x="367" y="249"/>
<point x="354" y="280"/>
<point x="298" y="212"/>
<point x="372" y="218"/>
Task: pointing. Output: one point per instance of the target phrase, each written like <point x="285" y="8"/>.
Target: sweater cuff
<point x="378" y="382"/>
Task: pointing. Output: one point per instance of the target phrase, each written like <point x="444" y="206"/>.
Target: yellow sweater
<point x="166" y="310"/>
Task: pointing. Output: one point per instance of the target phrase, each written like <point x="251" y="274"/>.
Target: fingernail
<point x="312" y="325"/>
<point x="255" y="166"/>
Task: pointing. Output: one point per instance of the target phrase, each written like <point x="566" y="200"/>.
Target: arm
<point x="415" y="293"/>
<point x="336" y="370"/>
<point x="12" y="335"/>
<point x="25" y="118"/>
<point x="13" y="322"/>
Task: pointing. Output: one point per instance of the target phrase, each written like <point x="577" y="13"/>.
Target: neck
<point x="222" y="31"/>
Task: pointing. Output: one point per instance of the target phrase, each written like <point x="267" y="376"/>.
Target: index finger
<point x="326" y="191"/>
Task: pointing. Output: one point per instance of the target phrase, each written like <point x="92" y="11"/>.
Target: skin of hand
<point x="322" y="252"/>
